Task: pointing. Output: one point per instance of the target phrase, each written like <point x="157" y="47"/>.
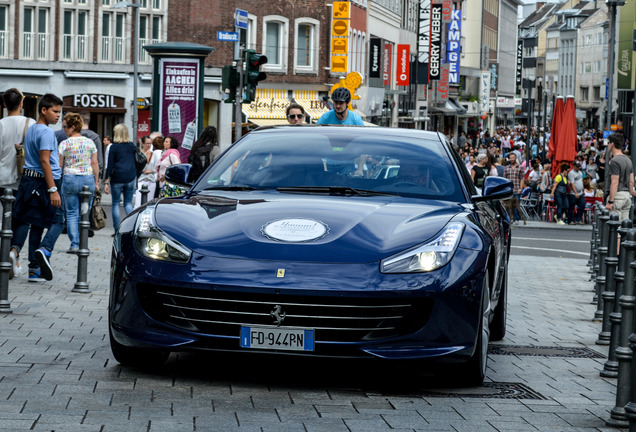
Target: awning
<point x="459" y="107"/>
<point x="310" y="101"/>
<point x="268" y="104"/>
<point x="447" y="108"/>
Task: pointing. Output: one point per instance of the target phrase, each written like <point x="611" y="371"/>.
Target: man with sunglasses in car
<point x="295" y="114"/>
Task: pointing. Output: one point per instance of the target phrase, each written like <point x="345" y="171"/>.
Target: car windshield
<point x="333" y="160"/>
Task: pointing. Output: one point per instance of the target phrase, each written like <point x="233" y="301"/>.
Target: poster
<point x="179" y="104"/>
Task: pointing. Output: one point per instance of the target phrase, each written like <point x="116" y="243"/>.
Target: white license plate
<point x="276" y="338"/>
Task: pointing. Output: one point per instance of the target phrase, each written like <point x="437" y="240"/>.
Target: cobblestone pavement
<point x="57" y="372"/>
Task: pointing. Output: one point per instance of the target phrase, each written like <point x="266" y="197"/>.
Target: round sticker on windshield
<point x="295" y="230"/>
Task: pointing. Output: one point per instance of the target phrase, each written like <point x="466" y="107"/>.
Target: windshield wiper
<point x="231" y="188"/>
<point x="340" y="190"/>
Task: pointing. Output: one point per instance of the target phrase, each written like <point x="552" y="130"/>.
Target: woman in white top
<point x="148" y="176"/>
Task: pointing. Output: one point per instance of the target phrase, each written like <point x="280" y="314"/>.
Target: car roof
<point x="355" y="130"/>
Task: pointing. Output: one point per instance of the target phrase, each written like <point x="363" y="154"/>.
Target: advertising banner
<point x="624" y="57"/>
<point x="179" y="104"/>
<point x="423" y="41"/>
<point x="375" y="57"/>
<point x="484" y="91"/>
<point x="340" y="36"/>
<point x="435" y="55"/>
<point x="519" y="66"/>
<point x="453" y="46"/>
<point x="403" y="64"/>
<point x="386" y="63"/>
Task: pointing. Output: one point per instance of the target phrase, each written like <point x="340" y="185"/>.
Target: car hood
<point x="306" y="228"/>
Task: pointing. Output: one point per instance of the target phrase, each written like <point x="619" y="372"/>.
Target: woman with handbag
<point x="169" y="157"/>
<point x="148" y="175"/>
<point x="121" y="174"/>
<point x="78" y="159"/>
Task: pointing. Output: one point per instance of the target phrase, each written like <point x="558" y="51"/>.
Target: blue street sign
<point x="607" y="133"/>
<point x="606" y="88"/>
<point x="227" y="36"/>
<point x="240" y="19"/>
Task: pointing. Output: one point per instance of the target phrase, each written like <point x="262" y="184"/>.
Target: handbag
<point x="98" y="215"/>
<point x="140" y="160"/>
<point x="19" y="151"/>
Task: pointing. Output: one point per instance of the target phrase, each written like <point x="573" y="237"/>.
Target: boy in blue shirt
<point x="38" y="201"/>
<point x="340" y="115"/>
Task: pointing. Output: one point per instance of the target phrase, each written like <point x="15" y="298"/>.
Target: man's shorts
<point x="622" y="204"/>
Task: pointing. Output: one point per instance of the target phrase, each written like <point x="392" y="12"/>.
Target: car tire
<point x="498" y="323"/>
<point x="137" y="357"/>
<point x="473" y="372"/>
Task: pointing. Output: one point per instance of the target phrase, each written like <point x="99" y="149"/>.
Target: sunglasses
<point x="296" y="116"/>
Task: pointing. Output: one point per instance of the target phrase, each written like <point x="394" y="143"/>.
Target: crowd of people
<point x="523" y="158"/>
<point x="47" y="170"/>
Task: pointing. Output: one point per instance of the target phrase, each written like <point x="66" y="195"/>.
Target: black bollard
<point x="611" y="262"/>
<point x="5" y="247"/>
<point x="590" y="262"/>
<point x="144" y="193"/>
<point x="613" y="289"/>
<point x="596" y="233"/>
<point x="81" y="286"/>
<point x="602" y="253"/>
<point x="627" y="301"/>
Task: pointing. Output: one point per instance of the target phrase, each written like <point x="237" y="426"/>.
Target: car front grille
<point x="335" y="319"/>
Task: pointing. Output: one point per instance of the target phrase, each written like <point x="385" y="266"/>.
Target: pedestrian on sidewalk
<point x="621" y="187"/>
<point x="38" y="200"/>
<point x="121" y="174"/>
<point x="78" y="159"/>
<point x="559" y="193"/>
<point x="576" y="198"/>
<point x="12" y="132"/>
<point x="206" y="149"/>
<point x="148" y="176"/>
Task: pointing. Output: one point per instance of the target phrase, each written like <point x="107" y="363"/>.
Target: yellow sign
<point x="351" y="82"/>
<point x="340" y="46"/>
<point x="340" y="10"/>
<point x="339" y="64"/>
<point x="340" y="28"/>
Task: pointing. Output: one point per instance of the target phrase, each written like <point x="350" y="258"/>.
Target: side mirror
<point x="178" y="174"/>
<point x="495" y="188"/>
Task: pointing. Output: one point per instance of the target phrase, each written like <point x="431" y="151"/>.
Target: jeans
<point x="71" y="188"/>
<point x="562" y="203"/>
<point x="578" y="203"/>
<point x="116" y="190"/>
<point x="23" y="230"/>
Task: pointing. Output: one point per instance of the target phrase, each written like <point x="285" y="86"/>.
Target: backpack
<point x="140" y="160"/>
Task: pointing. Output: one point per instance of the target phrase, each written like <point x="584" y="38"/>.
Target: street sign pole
<point x="240" y="22"/>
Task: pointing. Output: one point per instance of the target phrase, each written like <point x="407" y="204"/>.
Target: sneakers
<point x="15" y="270"/>
<point x="34" y="276"/>
<point x="560" y="222"/>
<point x="72" y="251"/>
<point x="46" y="271"/>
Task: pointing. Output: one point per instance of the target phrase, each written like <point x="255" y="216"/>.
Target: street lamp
<point x="135" y="6"/>
<point x="540" y="97"/>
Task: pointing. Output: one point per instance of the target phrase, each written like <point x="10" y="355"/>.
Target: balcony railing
<point x="75" y="47"/>
<point x="4" y="44"/>
<point x="106" y="49"/>
<point x="143" y="57"/>
<point x="43" y="43"/>
<point x="27" y="45"/>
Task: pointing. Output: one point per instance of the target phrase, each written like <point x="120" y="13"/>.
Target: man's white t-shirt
<point x="11" y="133"/>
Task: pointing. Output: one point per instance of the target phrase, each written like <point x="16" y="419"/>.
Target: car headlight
<point x="431" y="256"/>
<point x="152" y="243"/>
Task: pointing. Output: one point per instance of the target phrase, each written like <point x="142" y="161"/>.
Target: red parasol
<point x="557" y="116"/>
<point x="566" y="148"/>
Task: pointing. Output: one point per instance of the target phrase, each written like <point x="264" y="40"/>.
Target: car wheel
<point x="472" y="373"/>
<point x="498" y="324"/>
<point x="137" y="357"/>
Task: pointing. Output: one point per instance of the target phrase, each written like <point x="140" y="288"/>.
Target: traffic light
<point x="229" y="82"/>
<point x="253" y="75"/>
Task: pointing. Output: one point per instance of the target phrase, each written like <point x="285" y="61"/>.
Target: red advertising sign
<point x="386" y="63"/>
<point x="179" y="101"/>
<point x="403" y="64"/>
